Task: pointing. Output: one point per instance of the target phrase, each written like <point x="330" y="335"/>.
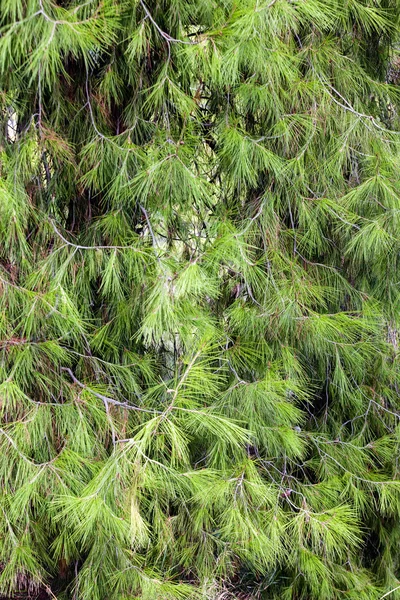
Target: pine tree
<point x="199" y="311"/>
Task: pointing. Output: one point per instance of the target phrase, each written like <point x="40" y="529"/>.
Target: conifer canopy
<point x="199" y="307"/>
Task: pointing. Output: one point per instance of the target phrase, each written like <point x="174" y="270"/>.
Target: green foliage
<point x="199" y="308"/>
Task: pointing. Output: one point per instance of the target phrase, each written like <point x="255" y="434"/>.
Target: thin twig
<point x="106" y="399"/>
<point x="163" y="34"/>
<point x="80" y="247"/>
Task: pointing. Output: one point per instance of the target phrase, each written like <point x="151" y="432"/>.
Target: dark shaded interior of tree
<point x="199" y="299"/>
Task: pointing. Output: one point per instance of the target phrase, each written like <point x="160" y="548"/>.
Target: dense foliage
<point x="199" y="311"/>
